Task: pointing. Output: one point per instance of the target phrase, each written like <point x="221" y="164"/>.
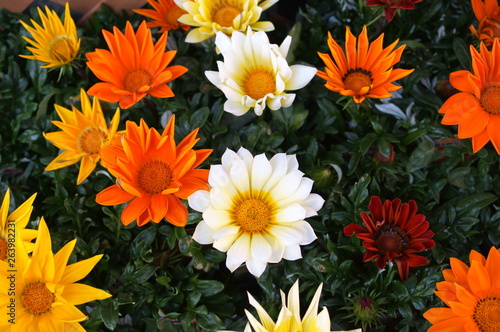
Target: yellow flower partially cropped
<point x="41" y="293"/>
<point x="54" y="43"/>
<point x="83" y="135"/>
<point x="289" y="317"/>
<point x="15" y="222"/>
<point x="210" y="16"/>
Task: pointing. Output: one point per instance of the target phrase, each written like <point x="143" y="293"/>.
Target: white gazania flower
<point x="255" y="209"/>
<point x="255" y="73"/>
<point x="227" y="16"/>
<point x="289" y="316"/>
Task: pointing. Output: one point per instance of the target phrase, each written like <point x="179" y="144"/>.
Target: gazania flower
<point x="476" y="109"/>
<point x="255" y="73"/>
<point x="394" y="232"/>
<point x="153" y="174"/>
<point x="366" y="309"/>
<point x="228" y="16"/>
<point x="165" y="15"/>
<point x="289" y="315"/>
<point x="133" y="67"/>
<point x="392" y="5"/>
<point x="471" y="294"/>
<point x="83" y="135"/>
<point x="488" y="14"/>
<point x="46" y="292"/>
<point x="13" y="223"/>
<point x="364" y="69"/>
<point x="255" y="209"/>
<point x="54" y="43"/>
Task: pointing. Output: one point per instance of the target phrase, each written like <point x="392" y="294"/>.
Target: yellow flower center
<point x="173" y="15"/>
<point x="91" y="139"/>
<point x="356" y="79"/>
<point x="490" y="99"/>
<point x="252" y="215"/>
<point x="61" y="48"/>
<point x="225" y="13"/>
<point x="136" y="79"/>
<point x="390" y="238"/>
<point x="36" y="298"/>
<point x="3" y="249"/>
<point x="155" y="176"/>
<point x="487" y="315"/>
<point x="259" y="83"/>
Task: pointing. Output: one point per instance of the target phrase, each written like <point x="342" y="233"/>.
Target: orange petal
<point x="135" y="208"/>
<point x="113" y="195"/>
<point x="177" y="213"/>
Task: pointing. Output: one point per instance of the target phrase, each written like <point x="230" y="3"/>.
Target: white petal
<point x="290" y="213"/>
<point x="292" y="252"/>
<point x="274" y="103"/>
<point x="247" y="158"/>
<point x="239" y="176"/>
<point x="199" y="200"/>
<point x="213" y="77"/>
<point x="218" y="177"/>
<point x="300" y="194"/>
<point x="279" y="164"/>
<point x="304" y="228"/>
<point x="227" y="160"/>
<point x="203" y="233"/>
<point x="238" y="253"/>
<point x="260" y="248"/>
<point x="225" y="231"/>
<point x="216" y="218"/>
<point x="223" y="244"/>
<point x="223" y="42"/>
<point x="221" y="199"/>
<point x="230" y="94"/>
<point x="285" y="46"/>
<point x="261" y="171"/>
<point x="292" y="162"/>
<point x="256" y="267"/>
<point x="235" y="108"/>
<point x="294" y="301"/>
<point x="286" y="235"/>
<point x="309" y="320"/>
<point x="301" y="75"/>
<point x="323" y="320"/>
<point x="287" y="185"/>
<point x="277" y="248"/>
<point x="313" y="203"/>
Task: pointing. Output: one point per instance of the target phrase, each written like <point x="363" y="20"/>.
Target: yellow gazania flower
<point x="15" y="222"/>
<point x="83" y="135"/>
<point x="211" y="16"/>
<point x="45" y="294"/>
<point x="289" y="316"/>
<point x="54" y="43"/>
<point x="363" y="69"/>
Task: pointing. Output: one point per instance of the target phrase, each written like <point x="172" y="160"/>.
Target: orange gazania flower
<point x="393" y="232"/>
<point x="362" y="71"/>
<point x="164" y="15"/>
<point x="153" y="174"/>
<point x="391" y="6"/>
<point x="488" y="15"/>
<point x="133" y="67"/>
<point x="471" y="293"/>
<point x="476" y="110"/>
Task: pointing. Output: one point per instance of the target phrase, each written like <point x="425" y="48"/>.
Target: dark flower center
<point x="391" y="238"/>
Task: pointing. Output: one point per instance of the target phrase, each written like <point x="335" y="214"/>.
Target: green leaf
<point x="208" y="287"/>
<point x="109" y="313"/>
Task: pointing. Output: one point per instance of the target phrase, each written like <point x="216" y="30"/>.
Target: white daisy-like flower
<point x="211" y="16"/>
<point x="255" y="209"/>
<point x="289" y="315"/>
<point x="255" y="73"/>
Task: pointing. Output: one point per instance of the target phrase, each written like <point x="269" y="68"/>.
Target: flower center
<point x="252" y="215"/>
<point x="136" y="79"/>
<point x="490" y="99"/>
<point x="259" y="83"/>
<point x="36" y="298"/>
<point x="61" y="48"/>
<point x="155" y="176"/>
<point x="487" y="314"/>
<point x="173" y="15"/>
<point x="224" y="14"/>
<point x="357" y="79"/>
<point x="391" y="238"/>
<point x="3" y="249"/>
<point x="91" y="139"/>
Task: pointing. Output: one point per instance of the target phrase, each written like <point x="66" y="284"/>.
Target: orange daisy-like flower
<point x="472" y="295"/>
<point x="362" y="71"/>
<point x="394" y="232"/>
<point x="133" y="67"/>
<point x="153" y="174"/>
<point x="488" y="15"/>
<point x="476" y="110"/>
<point x="164" y="15"/>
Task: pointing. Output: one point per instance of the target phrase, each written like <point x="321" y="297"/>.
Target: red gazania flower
<point x="392" y="5"/>
<point x="471" y="294"/>
<point x="488" y="15"/>
<point x="164" y="15"/>
<point x="133" y="67"/>
<point x="394" y="232"/>
<point x="153" y="173"/>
